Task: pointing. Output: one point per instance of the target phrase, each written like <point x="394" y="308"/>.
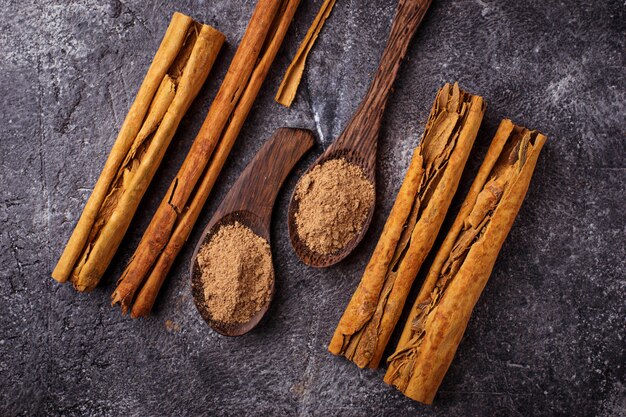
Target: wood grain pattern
<point x="250" y="202"/>
<point x="358" y="141"/>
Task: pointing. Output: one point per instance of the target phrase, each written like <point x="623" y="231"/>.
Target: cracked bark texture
<point x="547" y="336"/>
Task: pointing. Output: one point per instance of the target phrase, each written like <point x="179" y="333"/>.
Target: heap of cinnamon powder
<point x="237" y="273"/>
<point x="334" y="200"/>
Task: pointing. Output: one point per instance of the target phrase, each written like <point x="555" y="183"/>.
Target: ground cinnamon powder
<point x="334" y="200"/>
<point x="237" y="273"/>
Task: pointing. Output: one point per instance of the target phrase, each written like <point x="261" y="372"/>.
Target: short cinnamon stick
<point x="180" y="67"/>
<point x="463" y="264"/>
<point x="178" y="212"/>
<point x="289" y="86"/>
<point x="413" y="224"/>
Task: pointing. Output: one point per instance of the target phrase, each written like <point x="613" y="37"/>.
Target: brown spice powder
<point x="334" y="200"/>
<point x="237" y="273"/>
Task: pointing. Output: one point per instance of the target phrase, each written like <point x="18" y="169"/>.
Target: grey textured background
<point x="547" y="336"/>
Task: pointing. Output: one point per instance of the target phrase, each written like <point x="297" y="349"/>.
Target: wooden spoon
<point x="357" y="143"/>
<point x="250" y="202"/>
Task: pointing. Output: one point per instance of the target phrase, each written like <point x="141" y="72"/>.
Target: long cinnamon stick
<point x="179" y="210"/>
<point x="180" y="67"/>
<point x="413" y="224"/>
<point x="463" y="264"/>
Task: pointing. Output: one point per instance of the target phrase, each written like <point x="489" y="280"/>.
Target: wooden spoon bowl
<point x="250" y="202"/>
<point x="358" y="142"/>
<point x="251" y="221"/>
<point x="308" y="256"/>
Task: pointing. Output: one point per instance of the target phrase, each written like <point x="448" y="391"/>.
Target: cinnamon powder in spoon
<point x="237" y="273"/>
<point x="334" y="200"/>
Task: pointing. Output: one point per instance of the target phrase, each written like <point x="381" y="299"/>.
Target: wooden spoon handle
<point x="366" y="121"/>
<point x="257" y="187"/>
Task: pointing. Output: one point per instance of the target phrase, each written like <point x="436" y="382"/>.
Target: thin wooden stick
<point x="463" y="263"/>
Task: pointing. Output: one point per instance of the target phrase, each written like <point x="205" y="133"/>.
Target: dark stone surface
<point x="547" y="336"/>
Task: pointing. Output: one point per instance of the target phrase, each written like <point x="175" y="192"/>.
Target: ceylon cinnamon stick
<point x="182" y="204"/>
<point x="413" y="224"/>
<point x="180" y="67"/>
<point x="289" y="86"/>
<point x="463" y="264"/>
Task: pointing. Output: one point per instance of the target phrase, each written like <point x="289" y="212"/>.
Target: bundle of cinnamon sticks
<point x="464" y="261"/>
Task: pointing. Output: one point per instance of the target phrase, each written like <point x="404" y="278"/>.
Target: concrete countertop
<point x="546" y="337"/>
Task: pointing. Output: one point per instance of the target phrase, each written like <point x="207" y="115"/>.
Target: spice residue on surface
<point x="172" y="326"/>
<point x="237" y="273"/>
<point x="334" y="200"/>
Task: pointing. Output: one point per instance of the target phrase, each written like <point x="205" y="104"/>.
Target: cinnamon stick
<point x="181" y="206"/>
<point x="289" y="86"/>
<point x="463" y="264"/>
<point x="180" y="67"/>
<point x="413" y="224"/>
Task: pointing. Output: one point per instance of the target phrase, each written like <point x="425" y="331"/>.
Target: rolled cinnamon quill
<point x="413" y="224"/>
<point x="463" y="264"/>
<point x="180" y="67"/>
<point x="289" y="86"/>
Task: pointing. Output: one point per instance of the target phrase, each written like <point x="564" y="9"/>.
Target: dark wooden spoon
<point x="358" y="142"/>
<point x="250" y="202"/>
